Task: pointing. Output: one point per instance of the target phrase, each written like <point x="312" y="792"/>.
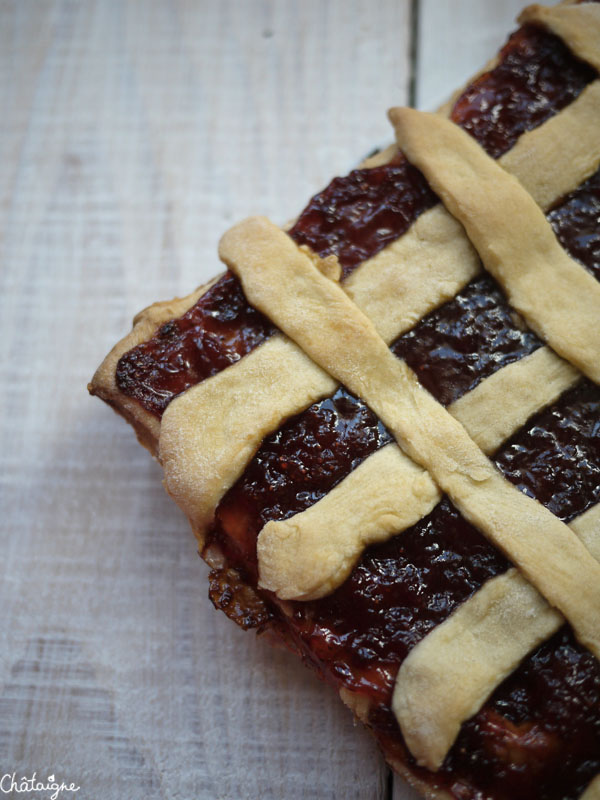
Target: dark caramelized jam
<point x="465" y="340"/>
<point x="216" y="332"/>
<point x="356" y="216"/>
<point x="536" y="77"/>
<point x="539" y="735"/>
<point x="576" y="222"/>
<point x="556" y="457"/>
<point x="237" y="599"/>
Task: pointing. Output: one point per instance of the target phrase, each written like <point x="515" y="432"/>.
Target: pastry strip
<point x="448" y="676"/>
<point x="197" y="416"/>
<point x="593" y="790"/>
<point x="282" y="282"/>
<point x="587" y="527"/>
<point x="569" y="141"/>
<point x="502" y="403"/>
<point x="391" y="287"/>
<point x="515" y="241"/>
<point x="413" y="275"/>
<point x="577" y="25"/>
<point x="311" y="553"/>
<point x="418" y="272"/>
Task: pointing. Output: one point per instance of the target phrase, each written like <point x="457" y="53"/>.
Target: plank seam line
<point x="413" y="53"/>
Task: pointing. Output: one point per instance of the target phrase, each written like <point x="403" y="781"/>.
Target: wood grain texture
<point x="455" y="41"/>
<point x="131" y="136"/>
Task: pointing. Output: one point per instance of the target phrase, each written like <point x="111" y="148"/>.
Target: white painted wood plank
<point x="455" y="40"/>
<point x="132" y="135"/>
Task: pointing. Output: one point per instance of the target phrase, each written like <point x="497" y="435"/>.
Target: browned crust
<point x="145" y="325"/>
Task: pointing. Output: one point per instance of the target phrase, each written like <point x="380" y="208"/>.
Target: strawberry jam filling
<point x="294" y="468"/>
<point x="216" y="332"/>
<point x="576" y="222"/>
<point x="556" y="458"/>
<point x="536" y="76"/>
<point x="466" y="340"/>
<point x="356" y="216"/>
<point x="539" y="735"/>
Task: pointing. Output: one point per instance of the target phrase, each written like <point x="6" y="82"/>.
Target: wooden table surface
<point x="132" y="134"/>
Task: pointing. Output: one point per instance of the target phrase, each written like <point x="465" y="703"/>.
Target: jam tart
<point x="383" y="425"/>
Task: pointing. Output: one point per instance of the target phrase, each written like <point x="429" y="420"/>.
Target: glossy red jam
<point x="294" y="468"/>
<point x="216" y="332"/>
<point x="398" y="592"/>
<point x="556" y="457"/>
<point x="538" y="736"/>
<point x="536" y="77"/>
<point x="576" y="222"/>
<point x="464" y="341"/>
<point x="357" y="216"/>
<point x="544" y="717"/>
<point x="354" y="217"/>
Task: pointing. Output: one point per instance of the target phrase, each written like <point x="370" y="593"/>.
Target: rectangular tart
<point x="383" y="425"/>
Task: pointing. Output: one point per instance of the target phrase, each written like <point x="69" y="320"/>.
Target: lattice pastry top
<point x="288" y="479"/>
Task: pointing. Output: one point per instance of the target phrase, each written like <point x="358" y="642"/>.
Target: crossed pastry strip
<point x="413" y="275"/>
<point x="418" y="272"/>
<point x="265" y="259"/>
